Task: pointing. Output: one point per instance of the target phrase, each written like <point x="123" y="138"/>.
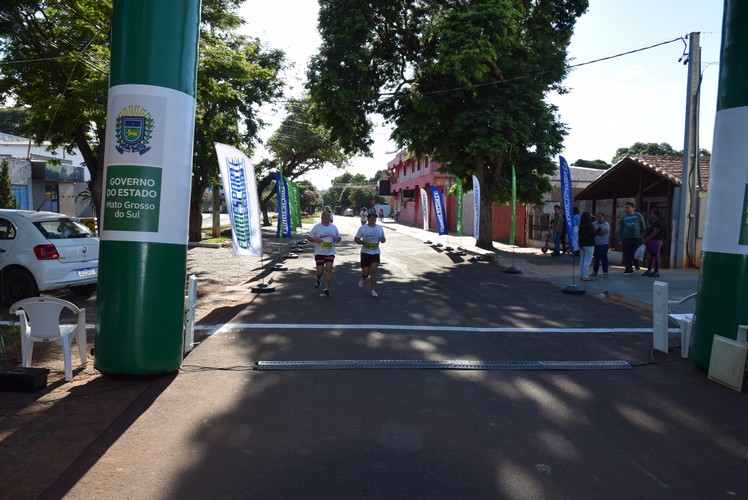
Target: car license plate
<point x="89" y="271"/>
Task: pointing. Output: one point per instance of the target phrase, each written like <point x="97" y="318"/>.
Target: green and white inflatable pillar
<point x="146" y="191"/>
<point x="722" y="302"/>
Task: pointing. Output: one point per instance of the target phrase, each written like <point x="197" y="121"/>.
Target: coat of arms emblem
<point x="133" y="129"/>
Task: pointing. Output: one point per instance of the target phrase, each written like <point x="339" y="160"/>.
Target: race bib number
<point x="326" y="245"/>
<point x="371" y="245"/>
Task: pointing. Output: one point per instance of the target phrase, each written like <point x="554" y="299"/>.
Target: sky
<point x="640" y="97"/>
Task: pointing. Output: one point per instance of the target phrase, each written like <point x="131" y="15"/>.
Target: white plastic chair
<point x="40" y="322"/>
<point x="684" y="322"/>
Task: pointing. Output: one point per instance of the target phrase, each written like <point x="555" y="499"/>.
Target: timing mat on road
<point x="447" y="364"/>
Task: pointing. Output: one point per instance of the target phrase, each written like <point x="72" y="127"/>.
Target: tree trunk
<point x="217" y="211"/>
<point x="95" y="164"/>
<point x="196" y="220"/>
<point x="485" y="225"/>
<point x="265" y="217"/>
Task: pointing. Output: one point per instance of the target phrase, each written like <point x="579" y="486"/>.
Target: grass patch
<point x="10" y="345"/>
<point x="224" y="236"/>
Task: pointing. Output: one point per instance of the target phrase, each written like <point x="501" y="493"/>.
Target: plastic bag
<point x="640" y="252"/>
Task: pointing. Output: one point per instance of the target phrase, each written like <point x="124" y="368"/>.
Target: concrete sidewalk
<point x="563" y="271"/>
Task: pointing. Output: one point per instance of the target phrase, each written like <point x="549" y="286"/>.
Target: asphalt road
<point x="223" y="429"/>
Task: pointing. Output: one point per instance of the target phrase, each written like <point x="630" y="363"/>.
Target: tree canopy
<point x="648" y="148"/>
<point x="462" y="82"/>
<point x="56" y="58"/>
<point x="598" y="164"/>
<point x="56" y="67"/>
<point x="352" y="190"/>
<point x="235" y="74"/>
<point x="12" y="120"/>
<point x="296" y="148"/>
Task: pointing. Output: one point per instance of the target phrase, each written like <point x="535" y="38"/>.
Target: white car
<point x="41" y="251"/>
<point x="348" y="212"/>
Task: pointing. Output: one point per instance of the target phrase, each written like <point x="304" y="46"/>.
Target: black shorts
<point x="321" y="259"/>
<point x="368" y="258"/>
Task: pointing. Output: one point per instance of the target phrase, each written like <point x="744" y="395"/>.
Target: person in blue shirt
<point x="630" y="231"/>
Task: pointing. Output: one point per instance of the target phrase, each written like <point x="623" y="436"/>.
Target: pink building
<point x="408" y="175"/>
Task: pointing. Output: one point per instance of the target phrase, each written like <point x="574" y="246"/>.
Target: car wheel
<point x="83" y="290"/>
<point x="18" y="284"/>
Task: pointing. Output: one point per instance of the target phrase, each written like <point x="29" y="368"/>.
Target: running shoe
<point x="326" y="292"/>
<point x="361" y="283"/>
<point x="318" y="281"/>
<point x="374" y="294"/>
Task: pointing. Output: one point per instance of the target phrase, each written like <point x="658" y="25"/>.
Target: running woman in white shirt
<point x="369" y="236"/>
<point x="324" y="236"/>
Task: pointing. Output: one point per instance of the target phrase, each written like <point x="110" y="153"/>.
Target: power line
<point x="24" y="61"/>
<point x="390" y="95"/>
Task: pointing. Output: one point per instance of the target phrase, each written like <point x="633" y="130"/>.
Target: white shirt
<point x="328" y="234"/>
<point x="370" y="236"/>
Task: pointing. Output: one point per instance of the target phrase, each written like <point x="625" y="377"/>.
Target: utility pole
<point x="685" y="220"/>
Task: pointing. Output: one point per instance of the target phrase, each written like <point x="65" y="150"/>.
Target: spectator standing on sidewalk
<point x="654" y="235"/>
<point x="602" y="244"/>
<point x="324" y="236"/>
<point x="586" y="232"/>
<point x="369" y="237"/>
<point x="630" y="230"/>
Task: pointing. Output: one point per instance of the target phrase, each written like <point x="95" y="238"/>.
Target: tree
<point x="63" y="81"/>
<point x="598" y="164"/>
<point x="462" y="82"/>
<point x="310" y="200"/>
<point x="345" y="196"/>
<point x="12" y="120"/>
<point x="649" y="148"/>
<point x="297" y="147"/>
<point x="7" y="198"/>
<point x="234" y="76"/>
<point x="362" y="197"/>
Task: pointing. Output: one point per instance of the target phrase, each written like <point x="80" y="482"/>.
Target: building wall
<point x="20" y="171"/>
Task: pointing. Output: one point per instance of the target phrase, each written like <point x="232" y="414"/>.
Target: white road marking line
<point x="430" y="328"/>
